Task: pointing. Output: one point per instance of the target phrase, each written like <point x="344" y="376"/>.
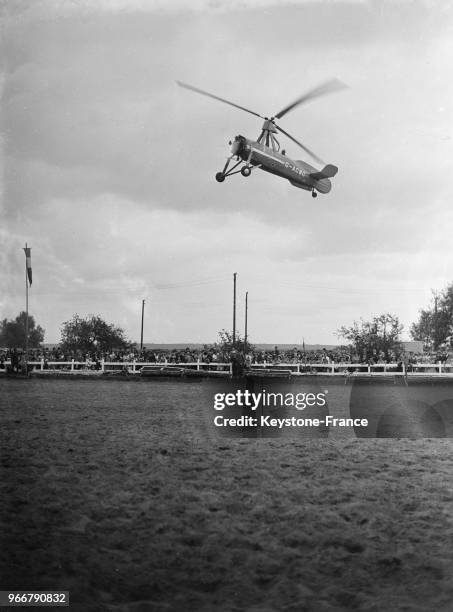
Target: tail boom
<point x="327" y="172"/>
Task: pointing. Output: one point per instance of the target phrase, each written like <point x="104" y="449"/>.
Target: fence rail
<point x="366" y="368"/>
<point x="339" y="369"/>
<point x="120" y="366"/>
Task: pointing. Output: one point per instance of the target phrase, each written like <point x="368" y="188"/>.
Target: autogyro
<point x="265" y="152"/>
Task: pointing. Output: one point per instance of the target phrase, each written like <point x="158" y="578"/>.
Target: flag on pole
<point x="28" y="263"/>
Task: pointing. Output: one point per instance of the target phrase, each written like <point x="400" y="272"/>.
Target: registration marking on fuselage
<point x="294" y="167"/>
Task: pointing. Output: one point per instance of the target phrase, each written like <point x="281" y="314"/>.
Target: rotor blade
<point x="205" y="93"/>
<point x="321" y="90"/>
<point x="306" y="149"/>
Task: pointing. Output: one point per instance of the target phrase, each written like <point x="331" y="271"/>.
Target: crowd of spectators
<point x="94" y="359"/>
<point x="215" y="354"/>
<point x="58" y="355"/>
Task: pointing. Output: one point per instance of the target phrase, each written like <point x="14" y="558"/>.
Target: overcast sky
<point x="108" y="166"/>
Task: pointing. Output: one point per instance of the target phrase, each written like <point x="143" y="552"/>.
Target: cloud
<point x="90" y="105"/>
<point x="39" y="7"/>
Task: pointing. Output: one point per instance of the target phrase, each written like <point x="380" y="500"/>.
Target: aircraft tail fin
<point x="327" y="172"/>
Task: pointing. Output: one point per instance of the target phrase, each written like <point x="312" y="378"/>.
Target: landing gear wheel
<point x="220" y="177"/>
<point x="314" y="194"/>
<point x="246" y="171"/>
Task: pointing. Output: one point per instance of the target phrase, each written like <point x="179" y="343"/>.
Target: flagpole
<point x="26" y="314"/>
<point x="246" y="319"/>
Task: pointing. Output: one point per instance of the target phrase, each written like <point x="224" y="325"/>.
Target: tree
<point x="91" y="334"/>
<point x="12" y="332"/>
<point x="226" y="344"/>
<point x="435" y="325"/>
<point x="375" y="338"/>
<point x="423" y="328"/>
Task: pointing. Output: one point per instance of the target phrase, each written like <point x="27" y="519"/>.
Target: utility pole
<point x="26" y="316"/>
<point x="27" y="252"/>
<point x="234" y="309"/>
<point x="141" y="335"/>
<point x="436" y="334"/>
<point x="246" y="314"/>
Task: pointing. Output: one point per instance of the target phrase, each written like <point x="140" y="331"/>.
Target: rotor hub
<point x="269" y="126"/>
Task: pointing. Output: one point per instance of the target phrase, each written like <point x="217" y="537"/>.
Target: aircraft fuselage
<point x="298" y="172"/>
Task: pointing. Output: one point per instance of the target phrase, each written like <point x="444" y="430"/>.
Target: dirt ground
<point x="121" y="493"/>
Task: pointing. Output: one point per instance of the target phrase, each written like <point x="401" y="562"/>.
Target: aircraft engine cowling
<point x="237" y="146"/>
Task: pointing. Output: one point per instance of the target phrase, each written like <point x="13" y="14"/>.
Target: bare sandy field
<point x="121" y="493"/>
